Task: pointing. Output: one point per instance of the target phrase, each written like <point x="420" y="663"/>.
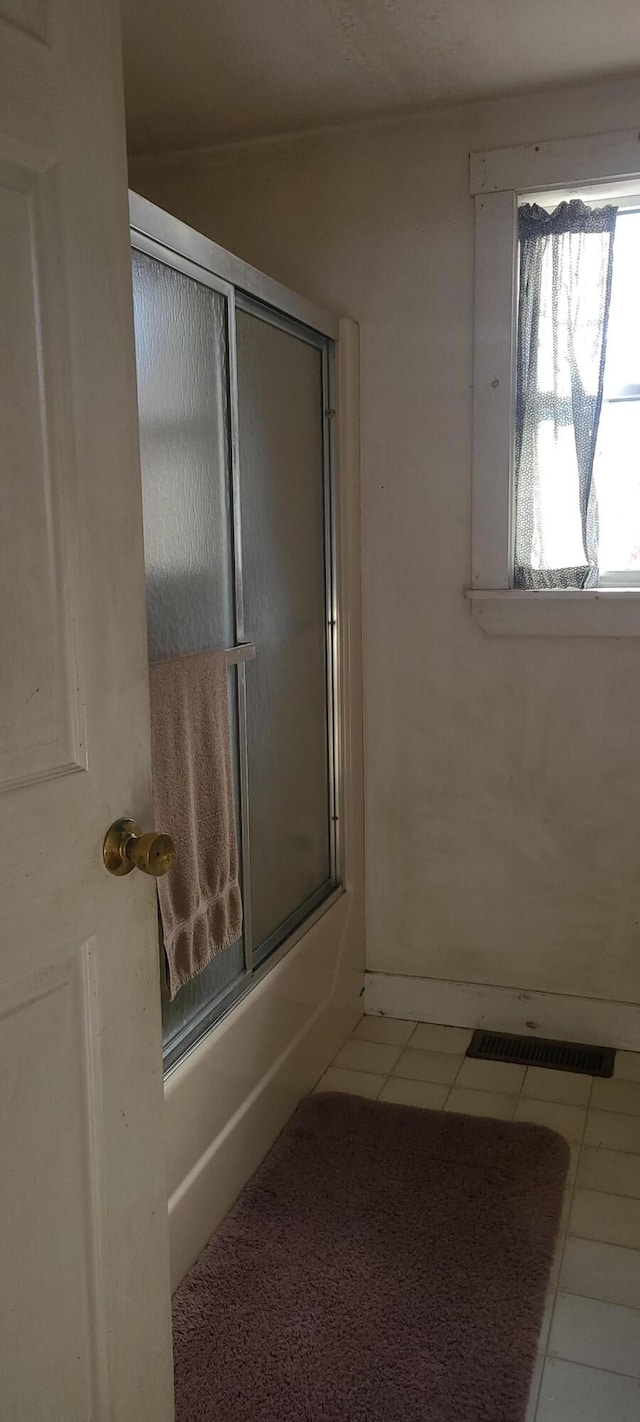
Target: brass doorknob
<point x="125" y="848"/>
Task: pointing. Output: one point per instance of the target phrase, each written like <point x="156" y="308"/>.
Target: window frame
<point x="498" y="179"/>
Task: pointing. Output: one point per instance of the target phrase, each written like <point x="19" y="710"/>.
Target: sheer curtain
<point x="566" y="260"/>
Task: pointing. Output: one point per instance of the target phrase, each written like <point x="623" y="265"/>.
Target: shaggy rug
<point x="385" y="1264"/>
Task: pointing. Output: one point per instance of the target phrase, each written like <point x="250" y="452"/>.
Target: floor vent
<point x="542" y="1052"/>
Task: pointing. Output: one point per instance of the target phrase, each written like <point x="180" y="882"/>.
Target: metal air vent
<point x="542" y="1052"/>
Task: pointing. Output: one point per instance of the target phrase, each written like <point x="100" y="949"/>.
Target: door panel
<point x="85" y="1326"/>
<point x="181" y="328"/>
<point x="40" y="703"/>
<point x="44" y="1064"/>
<point x="280" y="428"/>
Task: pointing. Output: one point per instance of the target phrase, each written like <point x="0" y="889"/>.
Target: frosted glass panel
<point x="282" y="508"/>
<point x="181" y="351"/>
<point x="182" y="364"/>
<point x="188" y="485"/>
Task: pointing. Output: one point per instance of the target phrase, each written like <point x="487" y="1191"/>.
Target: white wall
<point x="502" y="775"/>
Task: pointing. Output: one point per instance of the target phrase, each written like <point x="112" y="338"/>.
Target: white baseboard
<point x="505" y="1009"/>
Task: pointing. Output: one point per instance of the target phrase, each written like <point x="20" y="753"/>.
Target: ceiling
<point x="200" y="72"/>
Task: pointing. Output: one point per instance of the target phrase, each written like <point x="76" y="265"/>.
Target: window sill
<point x="601" y="612"/>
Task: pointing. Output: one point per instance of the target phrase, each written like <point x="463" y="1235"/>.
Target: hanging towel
<point x="200" y="901"/>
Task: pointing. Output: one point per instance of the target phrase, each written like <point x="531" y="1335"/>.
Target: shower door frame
<point x="168" y="240"/>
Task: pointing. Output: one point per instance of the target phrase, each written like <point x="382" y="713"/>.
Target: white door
<point x="84" y="1297"/>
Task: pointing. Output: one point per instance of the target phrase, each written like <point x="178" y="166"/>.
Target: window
<point x="617" y="459"/>
<point x="556" y="519"/>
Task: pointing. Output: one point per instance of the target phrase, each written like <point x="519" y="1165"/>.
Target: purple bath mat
<point x="385" y="1264"/>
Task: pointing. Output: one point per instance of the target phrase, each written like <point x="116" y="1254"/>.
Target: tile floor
<point x="588" y="1367"/>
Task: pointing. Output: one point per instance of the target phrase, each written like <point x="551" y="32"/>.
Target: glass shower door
<point x="182" y="353"/>
<point x="235" y="454"/>
<point x="287" y="602"/>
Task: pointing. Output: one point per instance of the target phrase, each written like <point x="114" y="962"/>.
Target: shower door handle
<point x="243" y="652"/>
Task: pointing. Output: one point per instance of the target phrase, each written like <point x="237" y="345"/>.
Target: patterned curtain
<point x="566" y="261"/>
